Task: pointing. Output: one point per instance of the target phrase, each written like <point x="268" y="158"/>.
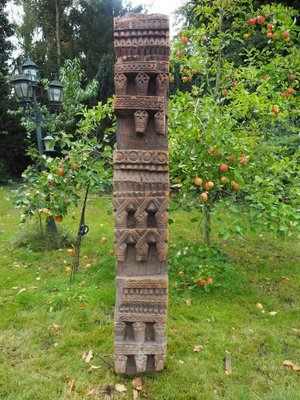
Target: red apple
<point x="224" y="167"/>
<point x="270" y="35"/>
<point x="234" y="185"/>
<point x="225" y="93"/>
<point x="217" y="153"/>
<point x="200" y="282"/>
<point x="60" y="171"/>
<point x="269" y="26"/>
<point x="209" y="280"/>
<point x="185" y="40"/>
<point x="198" y="181"/>
<point x="251" y="21"/>
<point x="260" y="20"/>
<point x="234" y="84"/>
<point x="286" y="35"/>
<point x="204" y="196"/>
<point x="223" y="179"/>
<point x="291" y="90"/>
<point x="208" y="185"/>
<point x="179" y="53"/>
<point x="58" y="219"/>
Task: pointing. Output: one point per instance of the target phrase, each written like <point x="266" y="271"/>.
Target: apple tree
<point x="231" y="125"/>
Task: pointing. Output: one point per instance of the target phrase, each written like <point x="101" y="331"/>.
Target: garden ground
<point x="56" y="337"/>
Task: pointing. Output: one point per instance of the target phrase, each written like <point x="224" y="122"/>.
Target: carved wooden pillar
<point x="141" y="191"/>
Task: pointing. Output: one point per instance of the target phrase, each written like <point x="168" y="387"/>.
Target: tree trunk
<point x="58" y="47"/>
<point x="207" y="226"/>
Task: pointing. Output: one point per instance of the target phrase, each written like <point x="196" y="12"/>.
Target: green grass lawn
<point x="46" y="329"/>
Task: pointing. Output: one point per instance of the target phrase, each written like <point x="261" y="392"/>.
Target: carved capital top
<point x="140" y="21"/>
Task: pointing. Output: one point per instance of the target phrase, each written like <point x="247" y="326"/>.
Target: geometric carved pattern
<point x="139" y="21"/>
<point x="141" y="120"/>
<point x="141" y="207"/>
<point x="137" y="66"/>
<point x="120" y="84"/>
<point x="138" y="102"/>
<point x="162" y="84"/>
<point x="141" y="240"/>
<point x="160" y="123"/>
<point x="141" y="192"/>
<point x="141" y="157"/>
<point x="142" y="83"/>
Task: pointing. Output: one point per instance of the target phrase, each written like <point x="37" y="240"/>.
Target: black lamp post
<point x="25" y="85"/>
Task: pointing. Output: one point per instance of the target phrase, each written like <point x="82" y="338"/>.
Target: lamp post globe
<point x="49" y="143"/>
<point x="30" y="69"/>
<point x="23" y="88"/>
<point x="55" y="92"/>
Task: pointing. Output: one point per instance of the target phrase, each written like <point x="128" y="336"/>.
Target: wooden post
<point x="141" y="191"/>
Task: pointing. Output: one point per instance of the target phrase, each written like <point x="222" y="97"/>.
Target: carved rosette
<point x="141" y="192"/>
<point x="120" y="84"/>
<point x="142" y="83"/>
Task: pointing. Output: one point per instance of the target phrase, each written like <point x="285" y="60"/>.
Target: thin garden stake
<point x="82" y="230"/>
